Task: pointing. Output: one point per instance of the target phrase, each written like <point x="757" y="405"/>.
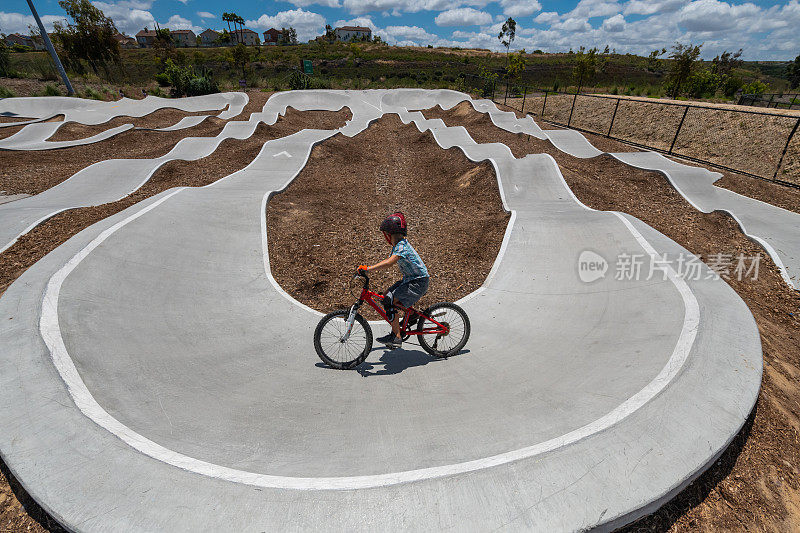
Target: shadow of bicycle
<point x="394" y="361"/>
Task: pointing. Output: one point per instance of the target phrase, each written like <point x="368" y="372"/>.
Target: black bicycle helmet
<point x="394" y="223"/>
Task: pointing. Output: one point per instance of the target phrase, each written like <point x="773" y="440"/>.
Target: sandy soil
<point x="715" y="133"/>
<point x="756" y="483"/>
<point x="318" y="235"/>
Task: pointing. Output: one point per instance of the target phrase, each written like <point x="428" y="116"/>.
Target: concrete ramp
<point x="169" y="384"/>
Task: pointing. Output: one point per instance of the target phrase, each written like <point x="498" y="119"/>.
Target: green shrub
<point x="51" y="90"/>
<point x="185" y="80"/>
<point x="754" y="87"/>
<point x="6" y="92"/>
<point x="91" y="93"/>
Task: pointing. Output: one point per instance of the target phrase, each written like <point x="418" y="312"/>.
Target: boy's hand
<point x="362" y="268"/>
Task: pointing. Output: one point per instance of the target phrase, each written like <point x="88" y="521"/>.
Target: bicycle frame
<point x="369" y="297"/>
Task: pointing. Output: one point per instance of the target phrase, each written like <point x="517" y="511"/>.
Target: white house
<point x="352" y="33"/>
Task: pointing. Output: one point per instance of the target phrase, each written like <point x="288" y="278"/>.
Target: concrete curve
<point x="775" y="229"/>
<point x="570" y="411"/>
<point x="91" y="112"/>
<point x="113" y="179"/>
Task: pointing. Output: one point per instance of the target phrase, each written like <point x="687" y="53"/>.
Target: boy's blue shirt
<point x="410" y="263"/>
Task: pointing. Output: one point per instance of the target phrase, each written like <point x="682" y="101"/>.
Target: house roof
<point x="209" y="30"/>
<point x="246" y="30"/>
<point x="272" y="30"/>
<point x="182" y="32"/>
<point x="146" y="33"/>
<point x="354" y="28"/>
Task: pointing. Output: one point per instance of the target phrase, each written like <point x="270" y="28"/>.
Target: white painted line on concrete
<point x="50" y="331"/>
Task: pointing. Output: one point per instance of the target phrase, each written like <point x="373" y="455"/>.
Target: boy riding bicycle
<point x="414" y="284"/>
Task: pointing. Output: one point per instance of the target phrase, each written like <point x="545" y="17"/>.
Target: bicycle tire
<point x="451" y="350"/>
<point x="347" y="363"/>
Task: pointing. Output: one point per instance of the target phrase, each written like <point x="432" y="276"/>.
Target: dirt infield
<point x="326" y="222"/>
<point x="756" y="483"/>
<point x="719" y="134"/>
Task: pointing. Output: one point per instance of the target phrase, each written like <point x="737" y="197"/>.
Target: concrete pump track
<point x="153" y="375"/>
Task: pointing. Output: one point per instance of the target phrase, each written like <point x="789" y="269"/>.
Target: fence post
<point x="544" y="103"/>
<point x="612" y="118"/>
<point x="505" y="96"/>
<point x="569" y="121"/>
<point x="524" y="94"/>
<point x="785" y="148"/>
<point x="671" y="146"/>
<point x="770" y="100"/>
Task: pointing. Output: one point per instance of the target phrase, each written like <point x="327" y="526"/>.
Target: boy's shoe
<point x="390" y="341"/>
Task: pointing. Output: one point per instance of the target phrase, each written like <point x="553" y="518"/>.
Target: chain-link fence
<point x="775" y="100"/>
<point x="760" y="144"/>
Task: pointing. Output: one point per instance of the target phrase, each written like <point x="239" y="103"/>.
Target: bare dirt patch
<point x="326" y="222"/>
<point x="756" y="483"/>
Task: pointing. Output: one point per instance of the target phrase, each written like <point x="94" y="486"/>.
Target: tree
<point x="653" y="61"/>
<point x="330" y="34"/>
<point x="516" y="64"/>
<point x="240" y="56"/>
<point x="90" y="37"/>
<point x="684" y="57"/>
<point x="5" y="57"/>
<point x="288" y="36"/>
<point x="585" y="66"/>
<point x="507" y="34"/>
<point x="793" y="73"/>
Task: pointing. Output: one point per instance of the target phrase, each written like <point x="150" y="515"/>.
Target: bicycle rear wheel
<point x="455" y="319"/>
<point x="333" y="349"/>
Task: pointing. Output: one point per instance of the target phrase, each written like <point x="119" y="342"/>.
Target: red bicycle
<point x="343" y="338"/>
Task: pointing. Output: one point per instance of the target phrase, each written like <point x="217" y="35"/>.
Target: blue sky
<point x="764" y="29"/>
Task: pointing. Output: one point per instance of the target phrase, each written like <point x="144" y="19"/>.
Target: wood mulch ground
<point x="32" y="172"/>
<point x="160" y="118"/>
<point x="326" y="222"/>
<point x="755" y="485"/>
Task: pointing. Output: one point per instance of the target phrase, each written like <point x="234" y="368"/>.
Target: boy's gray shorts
<point x="409" y="292"/>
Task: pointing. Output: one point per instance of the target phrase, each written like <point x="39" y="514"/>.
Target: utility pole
<point x="49" y="45"/>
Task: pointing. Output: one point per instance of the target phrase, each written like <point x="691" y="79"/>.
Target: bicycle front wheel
<point x="454" y="319"/>
<point x="335" y="348"/>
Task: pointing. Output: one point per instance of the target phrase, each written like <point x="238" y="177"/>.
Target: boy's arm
<point x="386" y="263"/>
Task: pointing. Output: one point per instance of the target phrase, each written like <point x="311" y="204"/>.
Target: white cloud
<point x="410" y="32"/>
<point x="128" y="17"/>
<point x="306" y="3"/>
<point x="19" y="22"/>
<point x="206" y="15"/>
<point x="651" y="7"/>
<point x="520" y="8"/>
<point x="572" y="24"/>
<point x="177" y="22"/>
<point x="712" y="15"/>
<point x="464" y="16"/>
<point x="548" y="17"/>
<point x="184" y="2"/>
<point x="307" y="23"/>
<point x="614" y="24"/>
<point x="397" y="7"/>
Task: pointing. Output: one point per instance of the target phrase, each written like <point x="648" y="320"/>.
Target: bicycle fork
<point x="351" y="318"/>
